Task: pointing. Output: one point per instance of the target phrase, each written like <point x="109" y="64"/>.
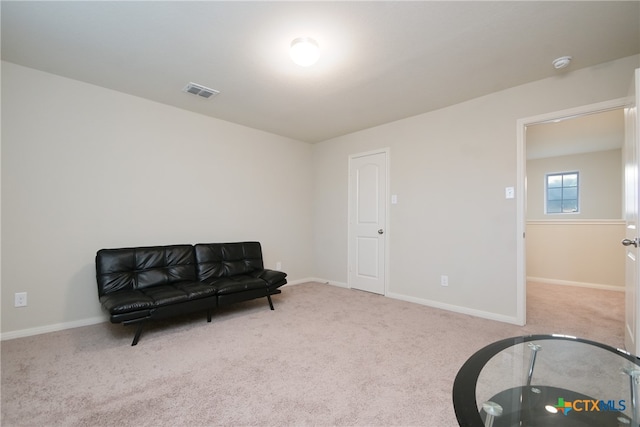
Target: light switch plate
<point x="509" y="193"/>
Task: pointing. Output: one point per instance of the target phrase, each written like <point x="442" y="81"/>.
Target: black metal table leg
<point x="137" y="335"/>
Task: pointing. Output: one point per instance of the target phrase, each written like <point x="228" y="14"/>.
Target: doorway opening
<point x="576" y="147"/>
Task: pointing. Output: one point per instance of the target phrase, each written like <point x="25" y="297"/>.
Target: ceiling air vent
<point x="200" y="90"/>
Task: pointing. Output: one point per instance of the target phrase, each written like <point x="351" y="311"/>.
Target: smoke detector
<point x="200" y="90"/>
<point x="561" y="62"/>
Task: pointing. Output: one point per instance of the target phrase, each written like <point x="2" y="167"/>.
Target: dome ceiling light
<point x="561" y="62"/>
<point x="304" y="51"/>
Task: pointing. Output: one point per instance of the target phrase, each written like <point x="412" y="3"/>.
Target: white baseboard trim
<point x="435" y="304"/>
<point x="578" y="284"/>
<point x="338" y="284"/>
<point x="317" y="280"/>
<point x="298" y="282"/>
<point x="52" y="328"/>
<point x="95" y="320"/>
<point x="456" y="309"/>
<point x="449" y="307"/>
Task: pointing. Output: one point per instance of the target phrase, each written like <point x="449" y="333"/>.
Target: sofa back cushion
<point x="216" y="260"/>
<point x="135" y="268"/>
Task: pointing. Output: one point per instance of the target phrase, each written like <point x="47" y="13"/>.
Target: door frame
<point x="521" y="188"/>
<point x="387" y="230"/>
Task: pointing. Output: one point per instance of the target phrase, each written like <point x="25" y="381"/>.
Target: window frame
<point x="546" y="192"/>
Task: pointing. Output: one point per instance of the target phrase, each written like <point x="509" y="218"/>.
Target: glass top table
<point x="548" y="380"/>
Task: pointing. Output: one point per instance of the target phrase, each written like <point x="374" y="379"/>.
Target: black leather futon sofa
<point x="136" y="285"/>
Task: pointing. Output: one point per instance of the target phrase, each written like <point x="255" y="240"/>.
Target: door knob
<point x="628" y="242"/>
<point x="381" y="231"/>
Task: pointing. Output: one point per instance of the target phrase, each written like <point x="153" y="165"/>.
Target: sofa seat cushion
<point x="165" y="295"/>
<point x="156" y="296"/>
<point x="235" y="284"/>
<point x="195" y="290"/>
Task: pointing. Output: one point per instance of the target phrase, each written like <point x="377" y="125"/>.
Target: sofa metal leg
<point x="209" y="315"/>
<point x="270" y="302"/>
<point x="137" y="335"/>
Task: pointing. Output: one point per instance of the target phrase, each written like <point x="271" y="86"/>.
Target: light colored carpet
<point x="326" y="356"/>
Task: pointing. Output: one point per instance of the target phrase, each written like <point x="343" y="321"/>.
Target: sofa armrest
<point x="273" y="278"/>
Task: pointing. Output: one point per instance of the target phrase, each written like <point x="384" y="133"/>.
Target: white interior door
<point x="367" y="221"/>
<point x="632" y="275"/>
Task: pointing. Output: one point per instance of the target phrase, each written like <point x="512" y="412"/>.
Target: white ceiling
<point x="381" y="60"/>
<point x="584" y="134"/>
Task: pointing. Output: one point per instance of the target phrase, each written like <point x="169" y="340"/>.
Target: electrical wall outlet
<point x="278" y="266"/>
<point x="20" y="299"/>
<point x="444" y="280"/>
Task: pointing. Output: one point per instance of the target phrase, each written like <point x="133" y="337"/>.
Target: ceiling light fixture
<point x="561" y="62"/>
<point x="304" y="51"/>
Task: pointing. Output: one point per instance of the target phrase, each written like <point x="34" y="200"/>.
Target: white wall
<point x="85" y="168"/>
<point x="579" y="253"/>
<point x="601" y="181"/>
<point x="580" y="249"/>
<point x="449" y="169"/>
